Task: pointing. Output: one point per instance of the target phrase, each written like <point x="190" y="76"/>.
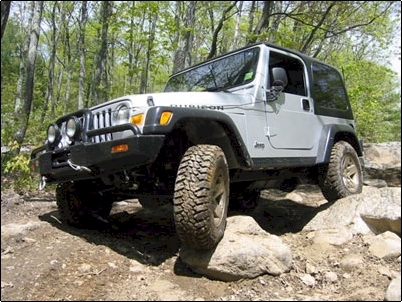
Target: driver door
<point x="290" y="117"/>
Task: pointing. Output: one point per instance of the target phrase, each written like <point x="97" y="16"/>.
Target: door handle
<point x="306" y="105"/>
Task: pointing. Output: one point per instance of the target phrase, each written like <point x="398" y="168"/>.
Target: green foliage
<point x="18" y="163"/>
<point x="375" y="102"/>
<point x="10" y="50"/>
<point x="17" y="168"/>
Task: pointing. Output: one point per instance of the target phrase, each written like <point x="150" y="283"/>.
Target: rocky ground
<point x="138" y="259"/>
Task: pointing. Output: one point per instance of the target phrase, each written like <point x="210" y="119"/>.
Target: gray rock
<point x="246" y="251"/>
<point x="374" y="210"/>
<point x="351" y="262"/>
<point x="386" y="245"/>
<point x="393" y="292"/>
<point x="383" y="161"/>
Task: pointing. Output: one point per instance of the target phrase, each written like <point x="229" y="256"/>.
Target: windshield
<point x="237" y="69"/>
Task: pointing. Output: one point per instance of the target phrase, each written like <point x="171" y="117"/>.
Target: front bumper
<point x="98" y="159"/>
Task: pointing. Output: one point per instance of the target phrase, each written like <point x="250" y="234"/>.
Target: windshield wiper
<point x="216" y="89"/>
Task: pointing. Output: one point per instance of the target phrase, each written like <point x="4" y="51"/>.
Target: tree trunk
<point x="144" y="75"/>
<point x="251" y="20"/>
<point x="131" y="66"/>
<point x="182" y="57"/>
<point x="101" y="83"/>
<point x="22" y="66"/>
<point x="21" y="75"/>
<point x="70" y="61"/>
<point x="237" y="28"/>
<point x="323" y="17"/>
<point x="49" y="97"/>
<point x="5" y="11"/>
<point x="263" y="23"/>
<point x="82" y="26"/>
<point x="276" y="20"/>
<point x="218" y="28"/>
<point x="23" y="115"/>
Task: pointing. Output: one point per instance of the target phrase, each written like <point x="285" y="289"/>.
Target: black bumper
<point x="63" y="165"/>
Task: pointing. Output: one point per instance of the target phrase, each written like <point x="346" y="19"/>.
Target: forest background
<point x="61" y="56"/>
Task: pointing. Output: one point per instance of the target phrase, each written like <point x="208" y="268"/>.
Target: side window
<point x="328" y="89"/>
<point x="294" y="70"/>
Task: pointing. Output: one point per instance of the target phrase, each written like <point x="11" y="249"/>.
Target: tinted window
<point x="227" y="72"/>
<point x="294" y="70"/>
<point x="328" y="89"/>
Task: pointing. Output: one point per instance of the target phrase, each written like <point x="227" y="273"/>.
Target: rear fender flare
<point x="333" y="133"/>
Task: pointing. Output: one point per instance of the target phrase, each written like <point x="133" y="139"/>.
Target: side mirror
<point x="279" y="82"/>
<point x="279" y="74"/>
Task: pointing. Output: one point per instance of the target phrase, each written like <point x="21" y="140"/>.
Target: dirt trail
<point x="137" y="258"/>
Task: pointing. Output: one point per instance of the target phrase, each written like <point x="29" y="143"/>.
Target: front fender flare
<point x="182" y="116"/>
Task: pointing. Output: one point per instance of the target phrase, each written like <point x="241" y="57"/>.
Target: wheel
<point x="81" y="207"/>
<point x="342" y="176"/>
<point x="152" y="202"/>
<point x="201" y="197"/>
<point x="242" y="199"/>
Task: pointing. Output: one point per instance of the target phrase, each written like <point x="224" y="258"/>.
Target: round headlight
<point x="72" y="127"/>
<point x="53" y="133"/>
<point x="121" y="115"/>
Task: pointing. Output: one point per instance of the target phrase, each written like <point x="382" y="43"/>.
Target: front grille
<point x="100" y="120"/>
<point x="93" y="124"/>
<point x="94" y="120"/>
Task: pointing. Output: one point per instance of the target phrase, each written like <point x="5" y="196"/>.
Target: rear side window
<point x="328" y="89"/>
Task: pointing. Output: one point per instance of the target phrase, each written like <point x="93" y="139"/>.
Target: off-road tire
<point x="342" y="176"/>
<point x="80" y="207"/>
<point x="201" y="197"/>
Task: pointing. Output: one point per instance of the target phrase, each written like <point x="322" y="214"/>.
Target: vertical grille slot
<point x="96" y="126"/>
<point x="101" y="120"/>
<point x="108" y="123"/>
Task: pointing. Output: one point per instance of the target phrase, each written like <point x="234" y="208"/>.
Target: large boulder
<point x="382" y="164"/>
<point x="375" y="210"/>
<point x="246" y="251"/>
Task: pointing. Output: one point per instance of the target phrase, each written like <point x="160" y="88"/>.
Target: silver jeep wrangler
<point x="221" y="132"/>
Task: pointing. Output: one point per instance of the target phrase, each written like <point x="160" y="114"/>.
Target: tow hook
<point x="78" y="167"/>
<point x="42" y="183"/>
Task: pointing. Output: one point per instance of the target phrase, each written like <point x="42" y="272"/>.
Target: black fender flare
<point x="236" y="151"/>
<point x="333" y="133"/>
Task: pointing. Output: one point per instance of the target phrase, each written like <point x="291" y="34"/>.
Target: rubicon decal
<point x="210" y="107"/>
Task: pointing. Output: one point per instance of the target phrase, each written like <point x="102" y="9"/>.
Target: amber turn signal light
<point x="120" y="148"/>
<point x="165" y="117"/>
